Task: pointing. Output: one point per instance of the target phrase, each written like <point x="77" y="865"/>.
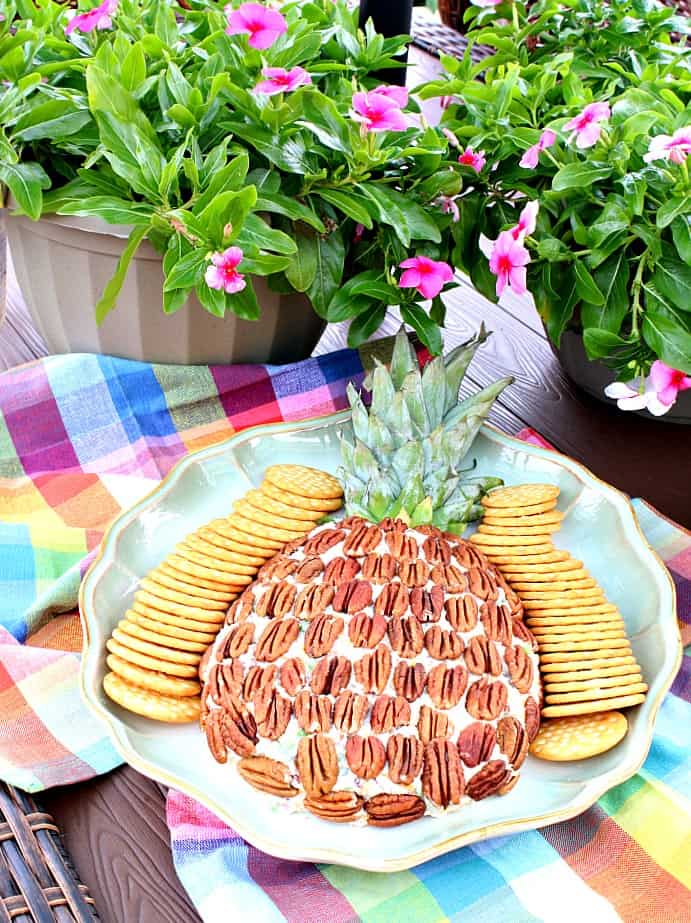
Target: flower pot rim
<point x="90" y="224"/>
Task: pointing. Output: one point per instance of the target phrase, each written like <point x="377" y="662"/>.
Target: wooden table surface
<point x="114" y="826"/>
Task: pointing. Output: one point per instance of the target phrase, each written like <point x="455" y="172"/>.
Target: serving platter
<point x="599" y="528"/>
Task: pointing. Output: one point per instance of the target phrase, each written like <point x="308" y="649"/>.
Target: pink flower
<point x="426" y="275"/>
<point x="485" y="3"/>
<point x="262" y="25"/>
<point x="98" y="18"/>
<point x="450" y="136"/>
<point x="668" y="382"/>
<point x="656" y="393"/>
<point x="223" y="274"/>
<point x="474" y="159"/>
<point x="508" y="261"/>
<point x="398" y="94"/>
<point x="531" y="156"/>
<point x="378" y="112"/>
<point x="359" y="233"/>
<point x="586" y="127"/>
<point x="526" y="222"/>
<point x="674" y="147"/>
<point x="449" y="206"/>
<point x="444" y="103"/>
<point x="280" y="80"/>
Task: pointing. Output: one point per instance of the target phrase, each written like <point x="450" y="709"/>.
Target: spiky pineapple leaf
<point x="422" y="514"/>
<point x="360" y="417"/>
<point x="380" y="440"/>
<point x="398" y="420"/>
<point x="408" y="461"/>
<point x="411" y="389"/>
<point x="457" y="362"/>
<point x="382" y="492"/>
<point x="383" y="391"/>
<point x="434" y="380"/>
<point x="403" y="359"/>
<point x="412" y="494"/>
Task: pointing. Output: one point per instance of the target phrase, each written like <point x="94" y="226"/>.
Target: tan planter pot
<point x="63" y="264"/>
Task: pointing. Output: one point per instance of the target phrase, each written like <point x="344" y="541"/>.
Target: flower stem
<point x="636" y="293"/>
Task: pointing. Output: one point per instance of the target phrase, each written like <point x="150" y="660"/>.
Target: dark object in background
<point x="390" y="17"/>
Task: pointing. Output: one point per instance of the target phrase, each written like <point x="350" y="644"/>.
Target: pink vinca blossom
<point x="451" y="137"/>
<point x="473" y="159"/>
<point x="449" y="206"/>
<point x="223" y="273"/>
<point x="656" y="393"/>
<point x="262" y="25"/>
<point x="507" y="261"/>
<point x="398" y="94"/>
<point x="485" y="3"/>
<point x="587" y="126"/>
<point x="532" y="155"/>
<point x="668" y="382"/>
<point x="675" y="148"/>
<point x="98" y="18"/>
<point x="377" y="112"/>
<point x="280" y="80"/>
<point x="526" y="222"/>
<point x="426" y="275"/>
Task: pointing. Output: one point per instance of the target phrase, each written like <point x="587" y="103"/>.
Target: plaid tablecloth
<point x="82" y="437"/>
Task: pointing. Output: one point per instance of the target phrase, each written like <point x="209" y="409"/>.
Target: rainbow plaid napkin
<point x="82" y="437"/>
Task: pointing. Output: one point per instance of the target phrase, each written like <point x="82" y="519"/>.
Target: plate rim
<point x="592" y="791"/>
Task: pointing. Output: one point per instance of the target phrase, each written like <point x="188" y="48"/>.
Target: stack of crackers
<point x="156" y="649"/>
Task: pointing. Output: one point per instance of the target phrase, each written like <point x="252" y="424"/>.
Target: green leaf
<point x="133" y="71"/>
<point x="109" y="208"/>
<point x="325" y="121"/>
<point x="291" y="208"/>
<point x="672" y="208"/>
<point x="264" y="264"/>
<point x="671" y="342"/>
<point x="256" y="232"/>
<point x="55" y="119"/>
<point x="26" y="182"/>
<point x="601" y="344"/>
<point x="365" y="325"/>
<point x="174" y="300"/>
<point x="229" y="208"/>
<point x="559" y="310"/>
<point x="349" y="203"/>
<point x="483" y="278"/>
<point x="370" y="286"/>
<point x="388" y="211"/>
<point x="218" y="179"/>
<point x="212" y="300"/>
<point x="302" y="268"/>
<point x="585" y="284"/>
<point x="424" y="326"/>
<point x="329" y="273"/>
<point x="578" y="175"/>
<point x="107" y="301"/>
<point x="673" y="278"/>
<point x="634" y="192"/>
<point x="612" y="280"/>
<point x="244" y="303"/>
<point x="681" y="235"/>
<point x="187" y="271"/>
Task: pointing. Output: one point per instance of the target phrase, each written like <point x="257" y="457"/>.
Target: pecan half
<point x="225" y="677"/>
<point x="277" y="568"/>
<point x="446" y="685"/>
<point x="462" y="611"/>
<point x="292" y="675"/>
<point x="366" y="630"/>
<point x="532" y="718"/>
<point x="486" y="700"/>
<point x="442" y="774"/>
<point x="404" y="754"/>
<point x="508" y="785"/>
<point x="427" y="604"/>
<point x="313" y="712"/>
<point x="386" y="810"/>
<point x="393" y="600"/>
<point x="488" y="780"/>
<point x="239" y="733"/>
<point x="257" y="678"/>
<point x="403" y="547"/>
<point x="323" y="540"/>
<point x="239" y="639"/>
<point x="520" y="666"/>
<point x="389" y="713"/>
<point x="450" y="577"/>
<point x="271" y="712"/>
<point x="241" y="609"/>
<point x="373" y="670"/>
<point x="481" y="583"/>
<point x="276" y="638"/>
<point x="409" y="680"/>
<point x="496" y="621"/>
<point x="442" y="644"/>
<point x="277" y="601"/>
<point x="482" y="656"/>
<point x="313" y="600"/>
<point x="405" y="636"/>
<point x="413" y="573"/>
<point x="467" y="555"/>
<point x="393" y="525"/>
<point x="379" y="568"/>
<point x="267" y="775"/>
<point x="432" y="724"/>
<point x="317" y="764"/>
<point x="523" y="633"/>
<point x="341" y="570"/>
<point x="437" y="550"/>
<point x="476" y="742"/>
<point x="352" y="596"/>
<point x="350" y="711"/>
<point x="339" y="807"/>
<point x="365" y="756"/>
<point x="309" y="569"/>
<point x="321" y="636"/>
<point x="512" y="740"/>
<point x="330" y="676"/>
<point x="213" y="728"/>
<point x="363" y="539"/>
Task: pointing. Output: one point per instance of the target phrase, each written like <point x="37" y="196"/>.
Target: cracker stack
<point x="156" y="649"/>
<point x="586" y="661"/>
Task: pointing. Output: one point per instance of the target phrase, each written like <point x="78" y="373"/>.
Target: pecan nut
<point x="350" y="711"/>
<point x="432" y="724"/>
<point x="442" y="644"/>
<point x="404" y="754"/>
<point x="486" y="700"/>
<point x="532" y="718"/>
<point x="323" y="540"/>
<point x="276" y="639"/>
<point x="352" y="596"/>
<point x="512" y="740"/>
<point x="496" y="621"/>
<point x="450" y="577"/>
<point x="482" y="656"/>
<point x="468" y="556"/>
<point x="413" y="573"/>
<point x="313" y="600"/>
<point x="277" y="601"/>
<point x="403" y="547"/>
<point x="241" y="609"/>
<point x="292" y="675"/>
<point x="331" y="676"/>
<point x="313" y="712"/>
<point x="340" y="807"/>
<point x="272" y="713"/>
<point x="373" y="670"/>
<point x="481" y="584"/>
<point x="317" y="764"/>
<point x="524" y="634"/>
<point x="379" y="568"/>
<point x="239" y="639"/>
<point x="213" y="727"/>
<point x="446" y="685"/>
<point x="366" y="630"/>
<point x="393" y="525"/>
<point x="409" y="680"/>
<point x="321" y="636"/>
<point x="267" y="775"/>
<point x="427" y="604"/>
<point x="476" y="742"/>
<point x="239" y="733"/>
<point x="406" y="636"/>
<point x="442" y="774"/>
<point x="257" y="678"/>
<point x="341" y="570"/>
<point x="309" y="569"/>
<point x="393" y="600"/>
<point x="507" y="786"/>
<point x="386" y="810"/>
<point x="437" y="550"/>
<point x="488" y="780"/>
<point x="363" y="539"/>
<point x="389" y="713"/>
<point x="365" y="756"/>
<point x="277" y="568"/>
<point x="520" y="666"/>
<point x="461" y="611"/>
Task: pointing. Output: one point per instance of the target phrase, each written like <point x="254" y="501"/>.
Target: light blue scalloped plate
<point x="599" y="528"/>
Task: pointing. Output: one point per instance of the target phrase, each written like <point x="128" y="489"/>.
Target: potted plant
<point x="219" y="165"/>
<point x="576" y="131"/>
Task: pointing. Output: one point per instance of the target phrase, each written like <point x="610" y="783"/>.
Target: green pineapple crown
<point x="409" y="445"/>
